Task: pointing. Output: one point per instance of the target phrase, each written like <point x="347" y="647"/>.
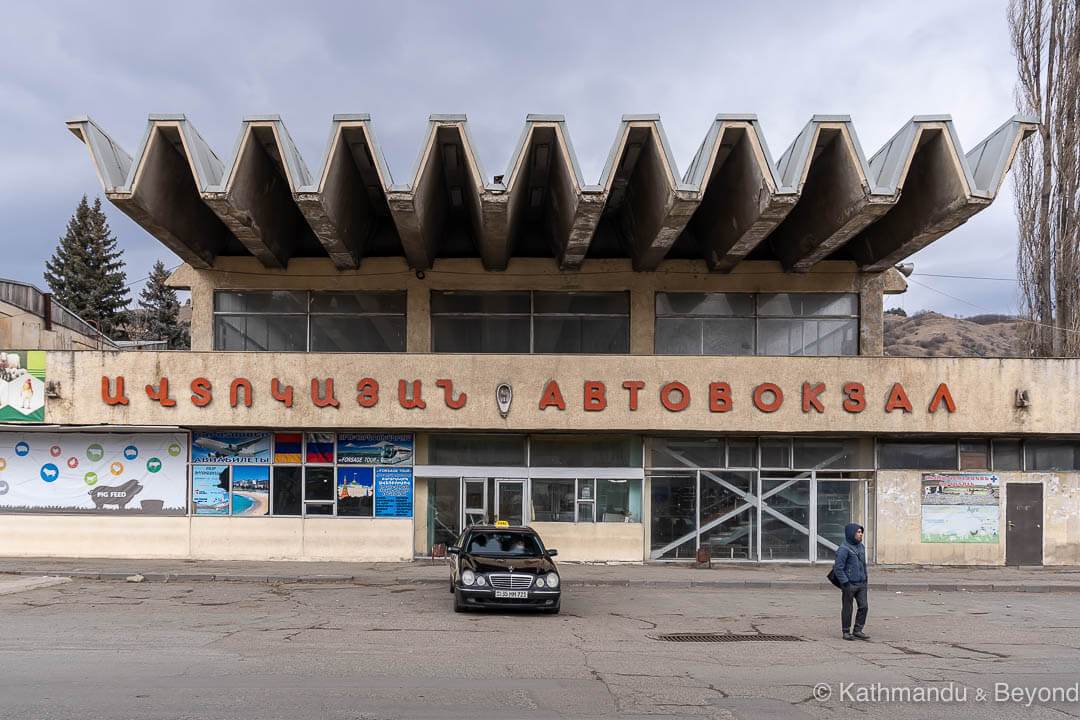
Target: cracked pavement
<point x="108" y="649"/>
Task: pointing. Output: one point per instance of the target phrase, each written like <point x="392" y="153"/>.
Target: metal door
<point x="1023" y="524"/>
<point x="475" y="508"/>
<point x="510" y="501"/>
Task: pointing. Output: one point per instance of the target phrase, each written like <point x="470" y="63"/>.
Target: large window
<point x="586" y="500"/>
<point x="309" y="321"/>
<point x="757" y="324"/>
<point x="530" y="322"/>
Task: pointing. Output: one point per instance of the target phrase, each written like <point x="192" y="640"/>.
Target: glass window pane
<point x="808" y="304"/>
<point x="260" y="332"/>
<point x="319" y="483"/>
<point x="479" y="334"/>
<point x="358" y="302"/>
<point x="566" y="335"/>
<point x="737" y="304"/>
<point x="586" y="489"/>
<point x="673" y="452"/>
<point x="552" y="500"/>
<point x="318" y="508"/>
<point x="917" y="455"/>
<point x="567" y="451"/>
<point x="585" y="512"/>
<point x="320" y="447"/>
<point x="838" y="503"/>
<point x="618" y="500"/>
<point x="286" y="500"/>
<point x="1006" y="455"/>
<point x="444" y="509"/>
<point x="974" y="455"/>
<point x="728" y="337"/>
<point x="355" y="491"/>
<point x="780" y="337"/>
<point x="250" y="490"/>
<point x="604" y="303"/>
<point x="272" y="301"/>
<point x="742" y="452"/>
<point x="503" y="450"/>
<point x="785" y="519"/>
<point x="673" y="522"/>
<point x="677" y="337"/>
<point x="1051" y="455"/>
<point x="834" y="453"/>
<point x="357" y="333"/>
<point x="775" y="453"/>
<point x="728" y="514"/>
<point x="831" y="337"/>
<point x="557" y="335"/>
<point x="480" y="302"/>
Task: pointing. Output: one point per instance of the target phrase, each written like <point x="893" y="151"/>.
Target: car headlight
<point x="481" y="580"/>
<point x="468" y="577"/>
<point x="539" y="582"/>
<point x="552" y="580"/>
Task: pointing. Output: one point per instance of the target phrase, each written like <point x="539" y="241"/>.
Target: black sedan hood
<point x="484" y="563"/>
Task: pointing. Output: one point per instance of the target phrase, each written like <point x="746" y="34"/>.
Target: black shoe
<point x="848" y="636"/>
<point x="860" y="635"/>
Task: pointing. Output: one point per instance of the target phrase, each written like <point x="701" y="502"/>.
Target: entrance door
<point x="1023" y="523"/>
<point x="475" y="507"/>
<point x="510" y="501"/>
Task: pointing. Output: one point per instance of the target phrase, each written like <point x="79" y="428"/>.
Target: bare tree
<point x="1046" y="42"/>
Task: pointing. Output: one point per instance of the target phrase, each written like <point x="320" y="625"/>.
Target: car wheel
<point x="458" y="605"/>
<point x="451" y="585"/>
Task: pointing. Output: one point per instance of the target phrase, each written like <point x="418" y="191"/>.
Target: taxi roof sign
<point x="501" y="523"/>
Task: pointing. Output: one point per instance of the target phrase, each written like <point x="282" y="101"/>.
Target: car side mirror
<point x="453" y="549"/>
<point x="552" y="553"/>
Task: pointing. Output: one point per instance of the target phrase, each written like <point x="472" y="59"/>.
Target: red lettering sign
<point x="595" y="398"/>
<point x="942" y="395"/>
<point x="719" y="397"/>
<point x="632" y="387"/>
<point x="200" y="392"/>
<point x="282" y="395"/>
<point x="320" y="399"/>
<point x="898" y="399"/>
<point x="856" y="397"/>
<point x="810" y="397"/>
<point x="161" y="394"/>
<point x="552" y="396"/>
<point x="675" y="405"/>
<point x="107" y="395"/>
<point x="759" y="397"/>
<point x="367" y="393"/>
<point x="234" y="391"/>
<point x="416" y="401"/>
<point x="448" y="395"/>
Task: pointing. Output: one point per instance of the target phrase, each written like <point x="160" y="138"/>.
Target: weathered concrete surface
<point x="10" y="585"/>
<point x="237" y="650"/>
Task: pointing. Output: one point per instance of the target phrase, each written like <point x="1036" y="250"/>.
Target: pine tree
<point x="159" y="311"/>
<point x="86" y="273"/>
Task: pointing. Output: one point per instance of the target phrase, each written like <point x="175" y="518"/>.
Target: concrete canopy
<point x="822" y="199"/>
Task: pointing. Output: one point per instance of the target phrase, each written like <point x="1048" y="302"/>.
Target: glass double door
<point x="490" y="500"/>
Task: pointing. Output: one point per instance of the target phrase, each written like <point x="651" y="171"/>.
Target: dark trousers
<point x="858" y="595"/>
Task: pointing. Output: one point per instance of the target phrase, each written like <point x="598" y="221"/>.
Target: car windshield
<point x="503" y="543"/>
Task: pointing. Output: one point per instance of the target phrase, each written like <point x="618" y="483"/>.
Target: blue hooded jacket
<point x="850" y="565"/>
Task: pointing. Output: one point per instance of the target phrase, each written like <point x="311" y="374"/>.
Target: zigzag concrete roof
<point x="822" y="198"/>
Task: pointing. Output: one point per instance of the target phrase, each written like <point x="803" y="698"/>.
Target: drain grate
<point x="718" y="638"/>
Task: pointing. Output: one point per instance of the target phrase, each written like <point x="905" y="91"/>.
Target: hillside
<point x="929" y="334"/>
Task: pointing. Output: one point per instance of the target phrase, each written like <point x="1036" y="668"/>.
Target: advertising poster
<point x="320" y="448"/>
<point x="133" y="473"/>
<point x="22" y="386"/>
<point x="393" y="492"/>
<point x="232" y="447"/>
<point x="960" y="508"/>
<point x="960" y="523"/>
<point x="355" y="488"/>
<point x="251" y="490"/>
<point x="288" y="447"/>
<point x="210" y="489"/>
<point x="374" y="449"/>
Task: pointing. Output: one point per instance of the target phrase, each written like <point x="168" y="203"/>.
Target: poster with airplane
<point x="233" y="447"/>
<point x="374" y="449"/>
<point x="129" y="473"/>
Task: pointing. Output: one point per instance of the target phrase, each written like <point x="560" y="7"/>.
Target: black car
<point x="494" y="566"/>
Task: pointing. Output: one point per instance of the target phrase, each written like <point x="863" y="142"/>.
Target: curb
<point x="150" y="576"/>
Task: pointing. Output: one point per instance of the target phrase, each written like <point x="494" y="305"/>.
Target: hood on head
<point x="849" y="531"/>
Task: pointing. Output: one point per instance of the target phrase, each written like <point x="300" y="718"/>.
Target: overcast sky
<point x="785" y="61"/>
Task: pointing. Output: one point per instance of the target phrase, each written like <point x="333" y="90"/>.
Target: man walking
<point x="850" y="570"/>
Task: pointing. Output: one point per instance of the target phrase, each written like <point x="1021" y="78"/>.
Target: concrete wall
<point x="899" y="522"/>
<point x="207" y="538"/>
<point x="589" y="542"/>
<point x="245" y="273"/>
<point x="20" y="330"/>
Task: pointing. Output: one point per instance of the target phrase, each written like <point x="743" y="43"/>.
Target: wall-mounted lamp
<point x="52" y="388"/>
<point x="1023" y="399"/>
<point x="905" y="269"/>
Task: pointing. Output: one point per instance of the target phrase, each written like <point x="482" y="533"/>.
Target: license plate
<point x="515" y="594"/>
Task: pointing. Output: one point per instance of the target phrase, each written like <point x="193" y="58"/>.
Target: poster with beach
<point x="22" y="386"/>
<point x="210" y="489"/>
<point x="102" y="473"/>
<point x="250" y="490"/>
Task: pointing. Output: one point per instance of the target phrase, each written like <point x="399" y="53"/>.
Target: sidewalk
<point x="906" y="578"/>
